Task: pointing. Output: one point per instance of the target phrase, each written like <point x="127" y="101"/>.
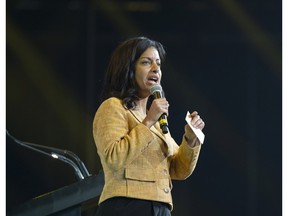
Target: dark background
<point x="224" y="60"/>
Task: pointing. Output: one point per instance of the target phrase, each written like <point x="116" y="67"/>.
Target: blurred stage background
<point x="224" y="60"/>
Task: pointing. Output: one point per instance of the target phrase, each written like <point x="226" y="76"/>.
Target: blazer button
<point x="166" y="190"/>
<point x="165" y="172"/>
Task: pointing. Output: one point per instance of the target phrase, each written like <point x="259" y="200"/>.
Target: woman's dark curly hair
<point x="120" y="74"/>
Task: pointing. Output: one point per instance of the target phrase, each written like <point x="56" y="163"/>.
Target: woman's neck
<point x="142" y="106"/>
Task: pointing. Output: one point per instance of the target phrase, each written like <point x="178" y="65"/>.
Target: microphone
<point x="78" y="166"/>
<point x="156" y="91"/>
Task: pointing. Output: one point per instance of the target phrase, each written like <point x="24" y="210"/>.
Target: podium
<point x="66" y="201"/>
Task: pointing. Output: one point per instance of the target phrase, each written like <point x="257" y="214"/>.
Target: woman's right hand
<point x="157" y="108"/>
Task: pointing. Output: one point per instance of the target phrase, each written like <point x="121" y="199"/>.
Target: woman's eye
<point x="145" y="62"/>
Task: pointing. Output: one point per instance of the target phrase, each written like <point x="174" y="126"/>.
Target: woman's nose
<point x="156" y="67"/>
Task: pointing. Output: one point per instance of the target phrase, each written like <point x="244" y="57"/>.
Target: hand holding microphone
<point x="158" y="110"/>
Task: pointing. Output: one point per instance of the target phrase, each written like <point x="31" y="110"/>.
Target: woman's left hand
<point x="197" y="123"/>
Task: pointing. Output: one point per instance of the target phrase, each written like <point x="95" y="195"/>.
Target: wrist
<point x="190" y="137"/>
<point x="147" y="123"/>
<point x="191" y="141"/>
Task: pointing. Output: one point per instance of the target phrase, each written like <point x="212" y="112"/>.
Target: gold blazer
<point x="138" y="162"/>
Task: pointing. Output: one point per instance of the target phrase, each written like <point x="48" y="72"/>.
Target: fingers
<point x="196" y="120"/>
<point x="193" y="114"/>
<point x="162" y="105"/>
<point x="199" y="124"/>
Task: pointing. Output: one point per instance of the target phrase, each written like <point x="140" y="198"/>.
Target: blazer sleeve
<point x="184" y="161"/>
<point x="118" y="138"/>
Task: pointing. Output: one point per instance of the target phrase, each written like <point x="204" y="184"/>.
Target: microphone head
<point x="155" y="88"/>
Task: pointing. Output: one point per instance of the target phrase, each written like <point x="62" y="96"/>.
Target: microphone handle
<point x="163" y="118"/>
<point x="164" y="123"/>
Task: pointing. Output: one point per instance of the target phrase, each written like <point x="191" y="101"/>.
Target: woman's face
<point x="147" y="71"/>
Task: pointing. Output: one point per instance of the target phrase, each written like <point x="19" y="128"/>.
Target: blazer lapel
<point x="155" y="129"/>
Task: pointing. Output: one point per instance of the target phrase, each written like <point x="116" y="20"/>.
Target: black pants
<point x="122" y="206"/>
